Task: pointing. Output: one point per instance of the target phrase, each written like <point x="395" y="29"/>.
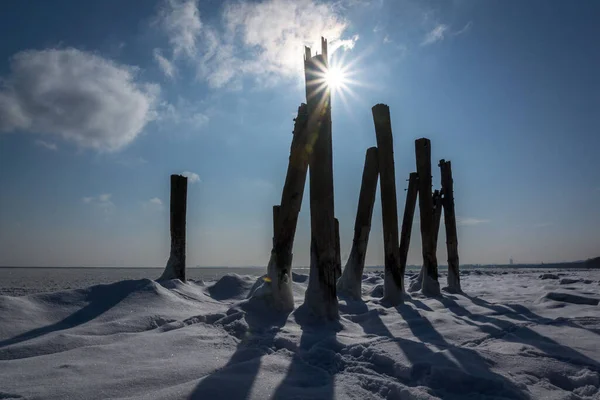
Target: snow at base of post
<point x="417" y="283"/>
<point x="169" y="272"/>
<point x="392" y="294"/>
<point x="315" y="299"/>
<point x="453" y="283"/>
<point x="281" y="286"/>
<point x="350" y="283"/>
<point x="430" y="286"/>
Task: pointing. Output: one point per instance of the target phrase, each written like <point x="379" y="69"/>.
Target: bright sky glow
<point x="336" y="78"/>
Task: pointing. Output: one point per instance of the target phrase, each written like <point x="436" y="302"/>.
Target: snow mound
<point x="141" y="339"/>
<point x="299" y="278"/>
<point x="231" y="286"/>
<point x="548" y="276"/>
<point x="569" y="281"/>
<point x="571" y="298"/>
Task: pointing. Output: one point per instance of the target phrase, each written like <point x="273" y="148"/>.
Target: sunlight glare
<point x="335" y="77"/>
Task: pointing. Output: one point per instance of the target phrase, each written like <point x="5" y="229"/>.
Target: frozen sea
<point x="21" y="281"/>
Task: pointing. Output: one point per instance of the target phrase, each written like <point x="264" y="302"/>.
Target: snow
<point x="511" y="335"/>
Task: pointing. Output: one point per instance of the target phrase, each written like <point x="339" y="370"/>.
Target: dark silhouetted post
<point x="175" y="268"/>
<point x="450" y="221"/>
<point x="351" y="280"/>
<point x="407" y="220"/>
<point x="285" y="216"/>
<point x="430" y="285"/>
<point x="393" y="279"/>
<point x="437" y="216"/>
<point x="275" y="221"/>
<point x="338" y="254"/>
<point x="320" y="295"/>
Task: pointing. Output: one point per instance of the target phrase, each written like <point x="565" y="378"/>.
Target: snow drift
<point x="510" y="336"/>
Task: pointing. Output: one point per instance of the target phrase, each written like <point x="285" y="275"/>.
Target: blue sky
<point x="101" y="101"/>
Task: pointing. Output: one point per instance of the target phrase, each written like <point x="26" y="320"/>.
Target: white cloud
<point x="192" y="176"/>
<point x="260" y="39"/>
<point x="466" y="221"/>
<point x="437" y="34"/>
<point x="164" y="64"/>
<point x="154" y="204"/>
<point x="47" y="145"/>
<point x="79" y="96"/>
<point x="101" y="202"/>
<point x="183" y="112"/>
<point x="181" y="21"/>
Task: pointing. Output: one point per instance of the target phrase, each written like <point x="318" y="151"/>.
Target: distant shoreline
<point x="590" y="263"/>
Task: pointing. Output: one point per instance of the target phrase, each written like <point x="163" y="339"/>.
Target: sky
<point x="101" y="101"/>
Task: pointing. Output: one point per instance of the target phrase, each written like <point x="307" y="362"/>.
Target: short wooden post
<point x="407" y="220"/>
<point x="393" y="285"/>
<point x="285" y="216"/>
<point x="351" y="280"/>
<point x="175" y="268"/>
<point x="430" y="285"/>
<point x="450" y="222"/>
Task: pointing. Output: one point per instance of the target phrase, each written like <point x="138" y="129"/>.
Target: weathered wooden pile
<point x="311" y="151"/>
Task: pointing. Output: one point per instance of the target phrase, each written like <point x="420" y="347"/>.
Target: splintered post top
<point x="307" y="53"/>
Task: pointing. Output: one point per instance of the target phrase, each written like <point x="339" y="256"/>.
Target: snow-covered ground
<point x="513" y="334"/>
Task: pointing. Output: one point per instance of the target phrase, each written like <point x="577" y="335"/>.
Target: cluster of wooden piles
<point x="311" y="152"/>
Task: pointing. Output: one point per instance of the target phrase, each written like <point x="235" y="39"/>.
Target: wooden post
<point x="407" y="220"/>
<point x="450" y="221"/>
<point x="285" y="216"/>
<point x="430" y="286"/>
<point x="175" y="268"/>
<point x="393" y="280"/>
<point x="351" y="280"/>
<point x="275" y="222"/>
<point x="338" y="254"/>
<point x="437" y="215"/>
<point x="321" y="297"/>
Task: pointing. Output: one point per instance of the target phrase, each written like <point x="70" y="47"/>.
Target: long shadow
<point x="433" y="368"/>
<point x="498" y="328"/>
<point x="236" y="378"/>
<point x="530" y="315"/>
<point x="100" y="298"/>
<point x="313" y="366"/>
<point x="522" y="313"/>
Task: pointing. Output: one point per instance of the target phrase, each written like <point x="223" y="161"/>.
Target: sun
<point x="335" y="77"/>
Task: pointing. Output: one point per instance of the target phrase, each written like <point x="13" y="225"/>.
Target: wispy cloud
<point x="192" y="176"/>
<point x="181" y="21"/>
<point x="259" y="39"/>
<point x="183" y="112"/>
<point x="78" y="96"/>
<point x="101" y="202"/>
<point x="154" y="204"/>
<point x="46" y="145"/>
<point x="164" y="64"/>
<point x="468" y="221"/>
<point x="464" y="29"/>
<point x="435" y="35"/>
